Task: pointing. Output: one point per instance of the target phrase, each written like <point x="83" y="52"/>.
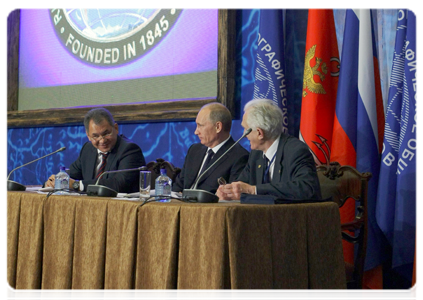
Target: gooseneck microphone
<point x="104" y="191"/>
<point x="205" y="196"/>
<point x="15" y="186"/>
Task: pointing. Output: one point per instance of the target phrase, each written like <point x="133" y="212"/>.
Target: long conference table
<point x="81" y="242"/>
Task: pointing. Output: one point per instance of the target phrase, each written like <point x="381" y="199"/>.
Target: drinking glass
<point x="145" y="184"/>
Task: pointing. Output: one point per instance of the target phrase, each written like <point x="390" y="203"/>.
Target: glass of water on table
<point x="145" y="184"/>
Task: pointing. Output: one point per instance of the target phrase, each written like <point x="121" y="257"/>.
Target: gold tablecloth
<point x="79" y="242"/>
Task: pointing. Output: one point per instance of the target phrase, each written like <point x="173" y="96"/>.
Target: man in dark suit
<point x="279" y="164"/>
<point x="214" y="123"/>
<point x="105" y="151"/>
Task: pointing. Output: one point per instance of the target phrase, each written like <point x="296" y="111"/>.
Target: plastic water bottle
<point x="61" y="181"/>
<point x="163" y="186"/>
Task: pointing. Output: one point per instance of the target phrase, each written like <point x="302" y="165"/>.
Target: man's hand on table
<point x="234" y="190"/>
<point x="50" y="181"/>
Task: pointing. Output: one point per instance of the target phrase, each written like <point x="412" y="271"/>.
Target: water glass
<point x="145" y="184"/>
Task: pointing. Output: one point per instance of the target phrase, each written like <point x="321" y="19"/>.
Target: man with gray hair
<point x="279" y="164"/>
<point x="214" y="122"/>
<point x="105" y="151"/>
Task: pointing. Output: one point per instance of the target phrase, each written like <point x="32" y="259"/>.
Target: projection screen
<point x="84" y="57"/>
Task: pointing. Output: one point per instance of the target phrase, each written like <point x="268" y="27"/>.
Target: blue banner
<point x="269" y="74"/>
<point x="396" y="207"/>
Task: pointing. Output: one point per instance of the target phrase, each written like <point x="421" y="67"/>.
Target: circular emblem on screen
<point x="111" y="37"/>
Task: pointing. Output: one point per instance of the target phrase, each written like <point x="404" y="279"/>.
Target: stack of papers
<point x="137" y="195"/>
<point x="46" y="190"/>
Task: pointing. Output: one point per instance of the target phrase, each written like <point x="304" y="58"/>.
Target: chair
<point x="343" y="183"/>
<point x="155" y="166"/>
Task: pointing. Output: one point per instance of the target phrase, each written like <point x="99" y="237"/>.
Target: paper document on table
<point x="152" y="193"/>
<point x="176" y="195"/>
<point x="133" y="195"/>
<point x="33" y="188"/>
<point x="126" y="196"/>
<point x="45" y="189"/>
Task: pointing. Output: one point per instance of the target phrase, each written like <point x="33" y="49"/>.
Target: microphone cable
<point x="154" y="199"/>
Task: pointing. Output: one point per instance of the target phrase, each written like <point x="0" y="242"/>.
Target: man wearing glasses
<point x="105" y="151"/>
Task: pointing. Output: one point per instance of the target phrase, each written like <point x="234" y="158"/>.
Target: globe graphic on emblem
<point x="263" y="84"/>
<point x="109" y="25"/>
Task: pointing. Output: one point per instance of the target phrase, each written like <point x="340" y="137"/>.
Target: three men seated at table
<point x="278" y="165"/>
<point x="106" y="150"/>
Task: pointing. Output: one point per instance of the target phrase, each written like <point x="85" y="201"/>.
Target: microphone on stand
<point x="205" y="196"/>
<point x="104" y="191"/>
<point x="15" y="186"/>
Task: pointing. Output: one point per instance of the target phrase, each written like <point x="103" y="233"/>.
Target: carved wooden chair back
<point x="345" y="183"/>
<point x="155" y="166"/>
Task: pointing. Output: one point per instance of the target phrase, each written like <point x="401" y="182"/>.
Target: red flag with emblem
<point x="321" y="70"/>
<point x="320" y="85"/>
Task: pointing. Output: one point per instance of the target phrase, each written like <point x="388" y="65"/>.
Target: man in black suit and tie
<point x="214" y="123"/>
<point x="279" y="164"/>
<point x="105" y="151"/>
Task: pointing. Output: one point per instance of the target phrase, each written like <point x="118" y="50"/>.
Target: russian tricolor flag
<point x="359" y="118"/>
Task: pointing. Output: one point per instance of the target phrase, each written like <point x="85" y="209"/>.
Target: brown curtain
<point x="72" y="242"/>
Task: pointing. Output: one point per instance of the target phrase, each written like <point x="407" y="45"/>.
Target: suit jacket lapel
<point x="92" y="161"/>
<point x="197" y="161"/>
<point x="110" y="163"/>
<point x="261" y="167"/>
<point x="277" y="171"/>
<point x="219" y="153"/>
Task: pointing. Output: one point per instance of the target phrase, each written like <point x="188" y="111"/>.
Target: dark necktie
<point x="102" y="164"/>
<point x="266" y="176"/>
<point x="210" y="154"/>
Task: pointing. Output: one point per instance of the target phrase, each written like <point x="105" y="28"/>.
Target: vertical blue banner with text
<point x="269" y="74"/>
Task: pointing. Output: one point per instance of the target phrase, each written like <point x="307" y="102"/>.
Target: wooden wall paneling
<point x="12" y="17"/>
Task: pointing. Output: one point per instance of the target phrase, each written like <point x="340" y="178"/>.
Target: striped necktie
<point x="102" y="164"/>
